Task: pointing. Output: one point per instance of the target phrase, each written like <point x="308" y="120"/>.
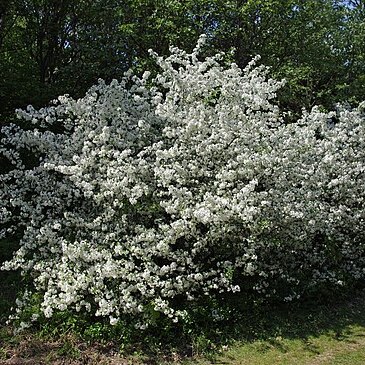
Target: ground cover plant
<point x="153" y="200"/>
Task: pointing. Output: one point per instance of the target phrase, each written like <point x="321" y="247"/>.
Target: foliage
<point x="155" y="193"/>
<point x="48" y="48"/>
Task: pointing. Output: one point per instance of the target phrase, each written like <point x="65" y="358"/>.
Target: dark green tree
<point x="52" y="47"/>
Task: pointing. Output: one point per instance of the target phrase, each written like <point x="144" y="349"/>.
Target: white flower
<point x="163" y="192"/>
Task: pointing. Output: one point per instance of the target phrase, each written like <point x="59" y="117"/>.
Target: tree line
<point x="53" y="47"/>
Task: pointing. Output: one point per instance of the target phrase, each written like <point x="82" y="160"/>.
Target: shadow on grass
<point x="271" y="327"/>
<point x="301" y="320"/>
<point x="274" y="326"/>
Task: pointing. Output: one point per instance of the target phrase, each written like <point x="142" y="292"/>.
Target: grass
<point x="326" y="332"/>
<point x="310" y="333"/>
<point x="335" y="344"/>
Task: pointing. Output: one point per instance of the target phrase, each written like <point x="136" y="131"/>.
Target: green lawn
<point x="331" y="333"/>
<point x="324" y="349"/>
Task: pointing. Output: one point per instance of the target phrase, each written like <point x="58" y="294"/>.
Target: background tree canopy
<point x="52" y="47"/>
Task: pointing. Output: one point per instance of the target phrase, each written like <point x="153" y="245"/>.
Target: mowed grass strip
<point x="325" y="349"/>
<point x="306" y="334"/>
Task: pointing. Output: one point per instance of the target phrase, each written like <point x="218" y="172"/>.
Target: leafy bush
<point x="150" y="193"/>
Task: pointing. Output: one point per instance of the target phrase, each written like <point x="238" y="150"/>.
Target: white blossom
<point x="155" y="189"/>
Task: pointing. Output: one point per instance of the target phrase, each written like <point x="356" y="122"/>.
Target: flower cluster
<point x="151" y="192"/>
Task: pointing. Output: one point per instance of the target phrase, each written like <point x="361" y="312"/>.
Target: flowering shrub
<point x="151" y="192"/>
